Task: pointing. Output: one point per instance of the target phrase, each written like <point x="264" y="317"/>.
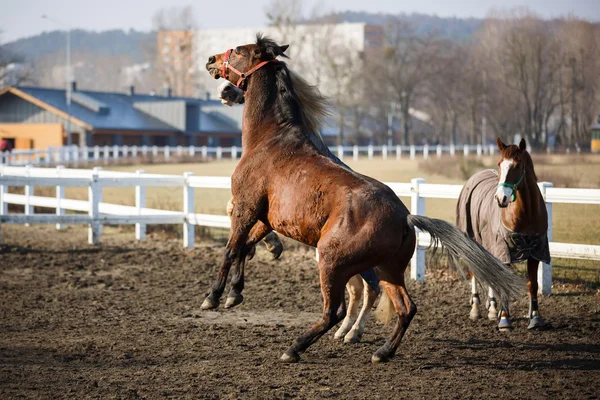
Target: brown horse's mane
<point x="515" y="153"/>
<point x="299" y="104"/>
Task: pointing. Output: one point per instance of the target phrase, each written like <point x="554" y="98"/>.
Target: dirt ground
<point x="123" y="321"/>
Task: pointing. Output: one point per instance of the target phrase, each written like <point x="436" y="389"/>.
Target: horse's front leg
<point x="475" y="314"/>
<point x="535" y="320"/>
<point x="257" y="233"/>
<point x="236" y="250"/>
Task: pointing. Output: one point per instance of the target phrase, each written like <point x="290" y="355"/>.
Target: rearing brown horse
<point x="283" y="182"/>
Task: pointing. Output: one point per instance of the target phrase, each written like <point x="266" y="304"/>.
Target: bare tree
<point x="410" y="62"/>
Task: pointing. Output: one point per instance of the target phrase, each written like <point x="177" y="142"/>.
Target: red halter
<point x="243" y="75"/>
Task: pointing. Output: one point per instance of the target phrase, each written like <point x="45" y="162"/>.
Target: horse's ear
<point x="283" y="48"/>
<point x="522" y="144"/>
<point x="501" y="146"/>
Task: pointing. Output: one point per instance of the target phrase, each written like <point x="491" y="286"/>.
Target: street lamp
<point x="69" y="78"/>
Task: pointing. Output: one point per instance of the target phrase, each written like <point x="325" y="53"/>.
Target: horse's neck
<point x="260" y="123"/>
<point x="259" y="116"/>
<point x="527" y="213"/>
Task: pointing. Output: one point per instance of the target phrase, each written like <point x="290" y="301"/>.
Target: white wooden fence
<point x="106" y="155"/>
<point x="99" y="213"/>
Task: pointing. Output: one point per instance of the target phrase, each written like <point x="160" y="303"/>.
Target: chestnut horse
<point x="283" y="183"/>
<point x="363" y="287"/>
<point x="505" y="212"/>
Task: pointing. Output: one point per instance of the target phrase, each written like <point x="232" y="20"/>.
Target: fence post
<point x="94" y="197"/>
<point x="438" y="151"/>
<point x="452" y="150"/>
<point x="355" y="153"/>
<point x="60" y="194"/>
<point x="140" y="202"/>
<point x="144" y="151"/>
<point x="412" y="152"/>
<point x="426" y="151"/>
<point x="398" y="152"/>
<point x="116" y="152"/>
<point x="167" y="151"/>
<point x="384" y="152"/>
<point x="188" y="208"/>
<point x="219" y="153"/>
<point x="370" y="152"/>
<point x="192" y="151"/>
<point x="340" y="151"/>
<point x="106" y="154"/>
<point x="48" y="156"/>
<point x="28" y="194"/>
<point x="233" y="153"/>
<point x="545" y="270"/>
<point x="492" y="149"/>
<point x="417" y="207"/>
<point x="466" y="150"/>
<point x="134" y="151"/>
<point x="479" y="150"/>
<point x="204" y="153"/>
<point x="154" y="152"/>
<point x="179" y="151"/>
<point x="96" y="153"/>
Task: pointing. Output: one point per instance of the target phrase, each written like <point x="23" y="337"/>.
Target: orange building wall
<point x="36" y="136"/>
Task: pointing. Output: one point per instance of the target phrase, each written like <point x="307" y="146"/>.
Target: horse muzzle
<point x="502" y="197"/>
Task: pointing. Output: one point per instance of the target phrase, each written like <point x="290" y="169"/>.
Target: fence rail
<point x="106" y="155"/>
<point x="99" y="213"/>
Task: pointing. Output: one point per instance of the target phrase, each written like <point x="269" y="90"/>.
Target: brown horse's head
<point x="236" y="64"/>
<point x="513" y="166"/>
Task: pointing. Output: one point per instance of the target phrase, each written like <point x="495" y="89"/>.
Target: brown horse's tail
<point x="466" y="253"/>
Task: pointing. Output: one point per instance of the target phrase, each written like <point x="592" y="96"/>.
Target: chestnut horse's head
<point x="236" y="65"/>
<point x="513" y="165"/>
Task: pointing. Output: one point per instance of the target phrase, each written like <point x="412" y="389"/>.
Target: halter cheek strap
<point x="243" y="75"/>
<point x="513" y="186"/>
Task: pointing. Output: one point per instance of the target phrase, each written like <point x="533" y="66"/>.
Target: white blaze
<point x="503" y="190"/>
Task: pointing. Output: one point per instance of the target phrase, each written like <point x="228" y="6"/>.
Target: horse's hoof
<point x="378" y="358"/>
<point x="233" y="301"/>
<point x="536" y="322"/>
<point x="290" y="358"/>
<point x="276" y="251"/>
<point x="475" y="314"/>
<point x="340" y="334"/>
<point x="352" y="338"/>
<point x="505" y="325"/>
<point x="493" y="315"/>
<point x="209" y="304"/>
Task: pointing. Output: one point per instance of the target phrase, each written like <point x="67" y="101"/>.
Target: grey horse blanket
<point x="478" y="215"/>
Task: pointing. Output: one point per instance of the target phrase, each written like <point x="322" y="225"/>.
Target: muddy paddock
<point x="123" y="321"/>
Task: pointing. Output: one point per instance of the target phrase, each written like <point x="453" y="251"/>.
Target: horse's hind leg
<point x="334" y="310"/>
<point x="355" y="290"/>
<point x="369" y="297"/>
<point x="392" y="280"/>
<point x="535" y="320"/>
<point x="475" y="314"/>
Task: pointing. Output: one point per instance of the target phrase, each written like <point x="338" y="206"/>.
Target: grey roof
<point x="122" y="115"/>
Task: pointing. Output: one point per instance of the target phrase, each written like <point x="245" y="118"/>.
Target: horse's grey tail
<point x="470" y="254"/>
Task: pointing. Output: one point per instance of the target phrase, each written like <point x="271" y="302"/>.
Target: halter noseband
<point x="243" y="75"/>
<point x="513" y="186"/>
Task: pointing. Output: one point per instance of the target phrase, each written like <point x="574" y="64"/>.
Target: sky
<point x="22" y="18"/>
